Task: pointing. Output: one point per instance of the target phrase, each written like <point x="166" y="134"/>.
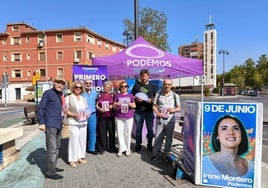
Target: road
<point x="12" y="114"/>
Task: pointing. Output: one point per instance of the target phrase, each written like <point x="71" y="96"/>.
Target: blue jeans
<point x="91" y="132"/>
<point x="139" y="118"/>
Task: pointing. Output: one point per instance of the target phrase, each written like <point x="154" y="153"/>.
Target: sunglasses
<point x="60" y="82"/>
<point x="88" y="83"/>
<point x="124" y="86"/>
<point x="77" y="87"/>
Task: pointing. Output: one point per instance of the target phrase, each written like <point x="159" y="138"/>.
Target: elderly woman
<point x="77" y="114"/>
<point x="124" y="106"/>
<point x="106" y="121"/>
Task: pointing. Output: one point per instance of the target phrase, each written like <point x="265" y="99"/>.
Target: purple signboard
<point x="97" y="73"/>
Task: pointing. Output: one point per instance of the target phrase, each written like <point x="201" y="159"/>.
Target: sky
<point x="241" y="25"/>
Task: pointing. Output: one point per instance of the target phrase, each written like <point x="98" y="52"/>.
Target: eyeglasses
<point x="88" y="82"/>
<point x="124" y="86"/>
<point x="78" y="87"/>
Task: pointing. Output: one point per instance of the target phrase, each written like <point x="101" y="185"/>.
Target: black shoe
<point x="155" y="157"/>
<point x="54" y="177"/>
<point x="167" y="159"/>
<point x="137" y="148"/>
<point x="93" y="152"/>
<point x="101" y="152"/>
<point x="112" y="150"/>
<point x="150" y="148"/>
<point x="59" y="170"/>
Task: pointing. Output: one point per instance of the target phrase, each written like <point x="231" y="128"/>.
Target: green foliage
<point x="249" y="74"/>
<point x="152" y="27"/>
<point x="206" y="91"/>
<point x="216" y="90"/>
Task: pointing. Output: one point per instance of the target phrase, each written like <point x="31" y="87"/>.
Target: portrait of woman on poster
<point x="229" y="141"/>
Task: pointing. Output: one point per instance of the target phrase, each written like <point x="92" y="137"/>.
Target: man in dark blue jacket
<point x="50" y="114"/>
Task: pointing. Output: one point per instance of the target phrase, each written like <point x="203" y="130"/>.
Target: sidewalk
<point x="101" y="171"/>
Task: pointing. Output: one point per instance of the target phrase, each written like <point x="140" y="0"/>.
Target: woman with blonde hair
<point x="106" y="121"/>
<point x="77" y="114"/>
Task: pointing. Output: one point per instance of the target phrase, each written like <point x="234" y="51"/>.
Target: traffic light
<point x="33" y="80"/>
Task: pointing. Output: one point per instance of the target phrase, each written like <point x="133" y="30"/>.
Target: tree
<point x="252" y="77"/>
<point x="237" y="76"/>
<point x="262" y="67"/>
<point x="152" y="27"/>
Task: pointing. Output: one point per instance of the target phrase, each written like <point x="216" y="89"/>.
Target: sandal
<point x="73" y="164"/>
<point x="82" y="161"/>
<point x="128" y="153"/>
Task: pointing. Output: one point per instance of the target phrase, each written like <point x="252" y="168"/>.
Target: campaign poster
<point x="231" y="138"/>
<point x="190" y="137"/>
<point x="98" y="74"/>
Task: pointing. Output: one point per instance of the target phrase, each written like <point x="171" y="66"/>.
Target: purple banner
<point x="97" y="73"/>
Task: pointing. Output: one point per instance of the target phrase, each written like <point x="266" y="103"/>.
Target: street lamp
<point x="223" y="52"/>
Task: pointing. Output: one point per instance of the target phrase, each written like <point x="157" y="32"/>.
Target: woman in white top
<point x="77" y="114"/>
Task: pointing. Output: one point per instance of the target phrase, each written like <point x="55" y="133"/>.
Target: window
<point x="4" y="41"/>
<point x="29" y="73"/>
<point x="15" y="28"/>
<point x="78" y="54"/>
<point x="43" y="72"/>
<point x="27" y="39"/>
<point x="59" y="55"/>
<point x="99" y="43"/>
<point x="42" y="56"/>
<point x="16" y="74"/>
<point x="60" y="72"/>
<point x="106" y="46"/>
<point x="114" y="48"/>
<point x="28" y="56"/>
<point x="15" y="41"/>
<point x="90" y="39"/>
<point x="90" y="55"/>
<point x="41" y="38"/>
<point x="4" y="57"/>
<point x="59" y="38"/>
<point x="77" y="36"/>
<point x="16" y="57"/>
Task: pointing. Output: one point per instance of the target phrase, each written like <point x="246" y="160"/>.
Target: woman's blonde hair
<point x="76" y="83"/>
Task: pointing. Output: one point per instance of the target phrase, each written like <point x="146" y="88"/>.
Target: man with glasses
<point x="91" y="95"/>
<point x="50" y="116"/>
<point x="165" y="105"/>
<point x="144" y="110"/>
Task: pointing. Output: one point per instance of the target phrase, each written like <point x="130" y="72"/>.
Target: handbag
<point x="65" y="131"/>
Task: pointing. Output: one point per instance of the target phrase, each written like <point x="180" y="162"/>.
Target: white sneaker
<point x="119" y="154"/>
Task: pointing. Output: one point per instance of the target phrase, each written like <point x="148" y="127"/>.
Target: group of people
<point x="84" y="109"/>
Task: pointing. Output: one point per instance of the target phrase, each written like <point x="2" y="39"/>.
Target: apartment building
<point x="25" y="51"/>
<point x="193" y="50"/>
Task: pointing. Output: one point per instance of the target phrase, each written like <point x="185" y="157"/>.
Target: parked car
<point x="241" y="92"/>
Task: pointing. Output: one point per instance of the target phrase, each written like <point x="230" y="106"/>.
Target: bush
<point x="207" y="92"/>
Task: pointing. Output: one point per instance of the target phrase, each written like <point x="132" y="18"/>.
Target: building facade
<point x="194" y="50"/>
<point x="26" y="51"/>
<point x="210" y="54"/>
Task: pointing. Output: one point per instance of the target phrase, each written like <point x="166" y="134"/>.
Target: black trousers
<point x="106" y="124"/>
